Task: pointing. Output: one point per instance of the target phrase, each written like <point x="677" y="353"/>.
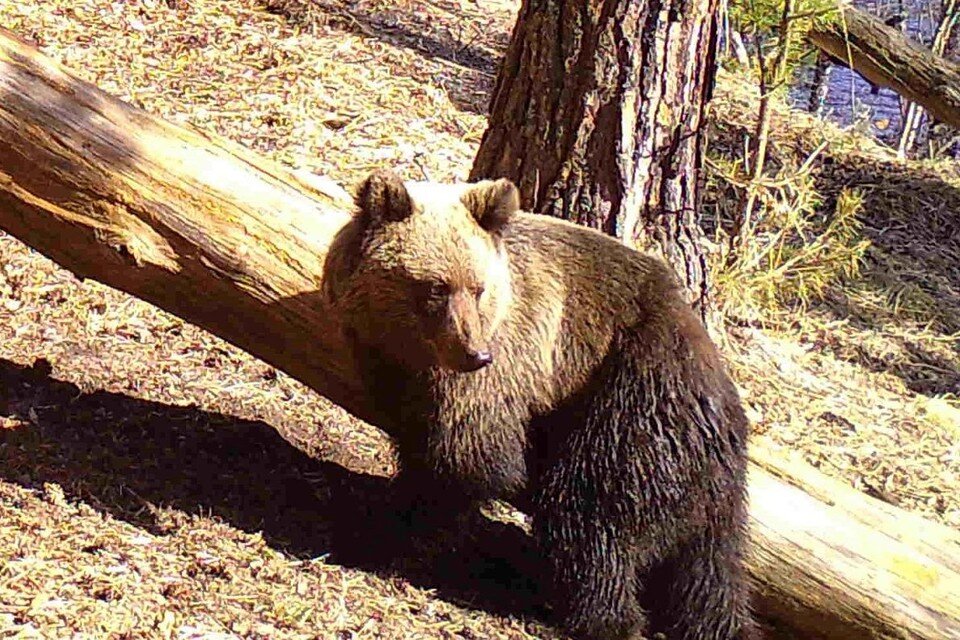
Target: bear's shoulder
<point x="542" y="246"/>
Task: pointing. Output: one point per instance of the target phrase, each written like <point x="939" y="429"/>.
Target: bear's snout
<point x="460" y="358"/>
<point x="459" y="343"/>
<point x="478" y="360"/>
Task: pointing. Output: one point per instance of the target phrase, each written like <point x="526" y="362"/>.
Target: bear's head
<point x="431" y="280"/>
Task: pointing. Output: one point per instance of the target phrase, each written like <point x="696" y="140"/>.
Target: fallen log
<point x="235" y="244"/>
<point x="887" y="58"/>
<point x="199" y="227"/>
<point x="832" y="562"/>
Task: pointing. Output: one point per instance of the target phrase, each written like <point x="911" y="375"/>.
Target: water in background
<point x="847" y="97"/>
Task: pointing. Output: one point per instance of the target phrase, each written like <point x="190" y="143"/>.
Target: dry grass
<point x="157" y="482"/>
<point x="864" y="381"/>
<point x="141" y="493"/>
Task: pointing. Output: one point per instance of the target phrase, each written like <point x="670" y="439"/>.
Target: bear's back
<point x="596" y="276"/>
<point x="573" y="290"/>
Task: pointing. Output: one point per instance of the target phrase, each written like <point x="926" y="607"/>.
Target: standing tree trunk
<point x="819" y="85"/>
<point x="598" y="117"/>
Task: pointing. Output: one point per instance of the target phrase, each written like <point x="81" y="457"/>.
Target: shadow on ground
<point x="912" y="268"/>
<point x="120" y="454"/>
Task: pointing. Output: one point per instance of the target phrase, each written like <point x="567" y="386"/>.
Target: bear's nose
<point x="478" y="360"/>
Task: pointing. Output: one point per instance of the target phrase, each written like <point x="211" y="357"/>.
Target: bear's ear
<point x="492" y="202"/>
<point x="382" y="197"/>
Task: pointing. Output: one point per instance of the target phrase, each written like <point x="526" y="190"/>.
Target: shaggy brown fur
<point x="601" y="405"/>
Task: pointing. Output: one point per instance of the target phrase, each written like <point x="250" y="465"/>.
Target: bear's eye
<point x="438" y="289"/>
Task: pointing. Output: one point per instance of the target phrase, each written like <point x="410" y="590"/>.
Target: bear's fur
<point x="521" y="357"/>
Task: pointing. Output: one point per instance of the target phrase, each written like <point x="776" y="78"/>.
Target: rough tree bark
<point x="228" y="241"/>
<point x="885" y="57"/>
<point x="597" y="116"/>
<point x="819" y="84"/>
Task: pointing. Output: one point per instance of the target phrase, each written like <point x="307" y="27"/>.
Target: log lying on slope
<point x="232" y="243"/>
<point x="200" y="228"/>
<point x="832" y="562"/>
<point x="885" y="57"/>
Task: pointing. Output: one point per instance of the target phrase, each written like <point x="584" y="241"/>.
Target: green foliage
<point x="780" y="246"/>
<point x="767" y="24"/>
<point x="796" y="250"/>
<point x="763" y="17"/>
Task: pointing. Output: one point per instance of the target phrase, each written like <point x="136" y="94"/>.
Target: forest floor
<point x="156" y="482"/>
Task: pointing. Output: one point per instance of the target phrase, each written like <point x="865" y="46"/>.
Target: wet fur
<point x="607" y="413"/>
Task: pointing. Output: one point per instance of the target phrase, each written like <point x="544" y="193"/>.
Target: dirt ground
<point x="156" y="482"/>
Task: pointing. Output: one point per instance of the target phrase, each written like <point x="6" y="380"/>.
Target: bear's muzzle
<point x="477" y="360"/>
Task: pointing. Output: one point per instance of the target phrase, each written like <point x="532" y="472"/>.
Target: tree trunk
<point x="233" y="243"/>
<point x="598" y="116"/>
<point x="885" y="57"/>
<point x="819" y="84"/>
<point x="201" y="228"/>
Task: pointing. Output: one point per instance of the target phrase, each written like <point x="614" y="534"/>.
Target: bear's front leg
<point x="698" y="593"/>
<point x="400" y="522"/>
<point x="422" y="507"/>
<point x="425" y="505"/>
<point x="592" y="578"/>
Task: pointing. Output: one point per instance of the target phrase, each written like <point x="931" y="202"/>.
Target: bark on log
<point x="830" y="562"/>
<point x="885" y="57"/>
<point x="199" y="227"/>
<point x="226" y="240"/>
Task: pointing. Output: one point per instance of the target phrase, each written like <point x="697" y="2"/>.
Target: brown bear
<point x="520" y="357"/>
